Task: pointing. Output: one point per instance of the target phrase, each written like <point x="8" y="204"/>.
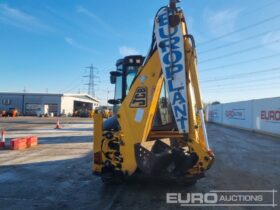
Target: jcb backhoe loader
<point x="158" y="128"/>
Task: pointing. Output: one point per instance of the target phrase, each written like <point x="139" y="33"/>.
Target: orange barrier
<point x="22" y="143"/>
<point x="32" y="141"/>
<point x="18" y="144"/>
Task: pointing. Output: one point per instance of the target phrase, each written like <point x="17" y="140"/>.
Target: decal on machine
<point x="143" y="78"/>
<point x="139" y="99"/>
<point x="139" y="115"/>
<point x="170" y="44"/>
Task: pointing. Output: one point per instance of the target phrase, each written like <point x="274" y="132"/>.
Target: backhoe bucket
<point x="164" y="160"/>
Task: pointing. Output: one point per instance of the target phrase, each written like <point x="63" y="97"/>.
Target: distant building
<point x="30" y="104"/>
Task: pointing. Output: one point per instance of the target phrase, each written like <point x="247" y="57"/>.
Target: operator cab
<point x="127" y="69"/>
<point x="123" y="77"/>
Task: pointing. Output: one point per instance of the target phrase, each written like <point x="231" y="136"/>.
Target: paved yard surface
<point x="57" y="173"/>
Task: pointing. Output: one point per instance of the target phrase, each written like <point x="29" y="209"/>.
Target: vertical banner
<point x="170" y="43"/>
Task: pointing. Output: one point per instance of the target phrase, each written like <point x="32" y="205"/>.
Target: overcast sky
<point x="45" y="45"/>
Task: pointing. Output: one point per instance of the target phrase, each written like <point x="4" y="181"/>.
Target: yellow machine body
<point x="119" y="152"/>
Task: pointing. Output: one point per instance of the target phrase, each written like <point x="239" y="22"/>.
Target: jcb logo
<point x="140" y="98"/>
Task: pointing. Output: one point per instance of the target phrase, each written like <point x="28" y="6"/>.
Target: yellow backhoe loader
<point x="158" y="126"/>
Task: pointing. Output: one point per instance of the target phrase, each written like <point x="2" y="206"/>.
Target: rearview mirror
<point x="113" y="75"/>
<point x="114" y="101"/>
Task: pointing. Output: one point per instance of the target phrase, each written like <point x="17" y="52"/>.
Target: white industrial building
<point x="59" y="104"/>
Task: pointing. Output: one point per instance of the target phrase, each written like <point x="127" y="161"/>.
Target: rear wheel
<point x="111" y="176"/>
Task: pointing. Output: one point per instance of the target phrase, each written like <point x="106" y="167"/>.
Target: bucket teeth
<point x="163" y="160"/>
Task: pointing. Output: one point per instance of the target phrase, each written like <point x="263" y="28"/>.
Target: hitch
<point x="164" y="160"/>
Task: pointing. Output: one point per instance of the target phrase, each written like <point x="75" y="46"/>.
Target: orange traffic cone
<point x="57" y="126"/>
<point x="2" y="142"/>
<point x="3" y="132"/>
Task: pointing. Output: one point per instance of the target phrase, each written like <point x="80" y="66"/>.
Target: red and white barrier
<point x="18" y="144"/>
<point x="23" y="143"/>
<point x="31" y="141"/>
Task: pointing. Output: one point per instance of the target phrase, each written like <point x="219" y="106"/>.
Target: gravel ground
<point x="57" y="173"/>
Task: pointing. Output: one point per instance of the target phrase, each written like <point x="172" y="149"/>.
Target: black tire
<point x="111" y="180"/>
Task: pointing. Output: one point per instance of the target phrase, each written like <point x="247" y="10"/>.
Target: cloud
<point x="20" y="19"/>
<point x="221" y="22"/>
<point x="125" y="51"/>
<point x="272" y="37"/>
<point x="98" y="20"/>
<point x="151" y="22"/>
<point x="77" y="45"/>
<point x="58" y="14"/>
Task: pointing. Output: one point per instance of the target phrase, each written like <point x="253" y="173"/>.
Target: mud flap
<point x="163" y="160"/>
